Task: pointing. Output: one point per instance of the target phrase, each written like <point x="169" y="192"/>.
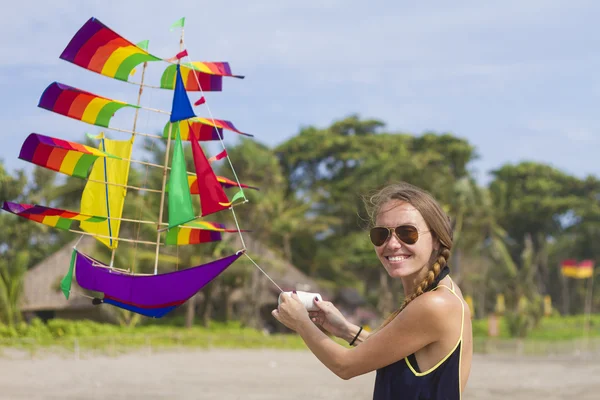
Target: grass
<point x="553" y="328"/>
<point x="60" y="336"/>
<point x="553" y="335"/>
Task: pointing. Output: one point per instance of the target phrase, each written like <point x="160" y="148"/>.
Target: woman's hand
<point x="291" y="312"/>
<point x="330" y="319"/>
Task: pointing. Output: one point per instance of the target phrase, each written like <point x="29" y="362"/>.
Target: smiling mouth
<point x="397" y="258"/>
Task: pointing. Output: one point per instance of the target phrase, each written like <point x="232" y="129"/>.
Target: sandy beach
<point x="269" y="374"/>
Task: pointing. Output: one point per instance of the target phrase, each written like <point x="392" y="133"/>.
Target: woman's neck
<point x="410" y="283"/>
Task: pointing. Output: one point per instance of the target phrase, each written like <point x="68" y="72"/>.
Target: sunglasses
<point x="406" y="233"/>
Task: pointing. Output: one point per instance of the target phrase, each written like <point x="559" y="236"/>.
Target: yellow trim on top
<point x="430" y="370"/>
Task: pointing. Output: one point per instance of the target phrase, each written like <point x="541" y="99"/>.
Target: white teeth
<point x="398" y="258"/>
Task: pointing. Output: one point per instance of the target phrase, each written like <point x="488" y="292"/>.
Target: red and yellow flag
<point x="578" y="270"/>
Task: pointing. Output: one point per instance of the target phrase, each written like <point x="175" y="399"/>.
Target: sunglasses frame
<point x="392" y="231"/>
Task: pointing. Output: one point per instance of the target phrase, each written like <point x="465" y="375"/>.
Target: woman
<point x="424" y="349"/>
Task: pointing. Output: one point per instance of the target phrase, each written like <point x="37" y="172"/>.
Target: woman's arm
<point x="414" y="328"/>
<point x="329" y="318"/>
<point x="352" y="331"/>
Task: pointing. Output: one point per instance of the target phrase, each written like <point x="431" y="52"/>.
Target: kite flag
<point x="212" y="196"/>
<point x="65" y="283"/>
<point x="143" y="44"/>
<point x="180" y="199"/>
<point x="181" y="109"/>
<point x="218" y="157"/>
<point x="178" y="56"/>
<point x="178" y="24"/>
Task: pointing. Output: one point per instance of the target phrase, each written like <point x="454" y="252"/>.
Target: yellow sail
<point x="107" y="200"/>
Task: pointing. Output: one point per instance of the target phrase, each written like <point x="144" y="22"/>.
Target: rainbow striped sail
<point x="60" y="155"/>
<point x="108" y="164"/>
<point x="210" y="68"/>
<point x="204" y="129"/>
<point x="196" y="232"/>
<point x="100" y="49"/>
<point x="198" y="76"/>
<point x="79" y="104"/>
<point x="54" y="217"/>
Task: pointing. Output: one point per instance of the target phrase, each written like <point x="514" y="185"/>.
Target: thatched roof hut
<point x="41" y="292"/>
<point x="283" y="273"/>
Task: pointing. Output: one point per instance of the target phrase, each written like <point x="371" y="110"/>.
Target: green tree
<point x="22" y="242"/>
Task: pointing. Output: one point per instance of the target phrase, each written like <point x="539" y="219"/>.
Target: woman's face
<point x="398" y="258"/>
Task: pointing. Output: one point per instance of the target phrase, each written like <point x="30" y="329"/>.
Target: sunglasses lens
<point x="379" y="235"/>
<point x="408" y="234"/>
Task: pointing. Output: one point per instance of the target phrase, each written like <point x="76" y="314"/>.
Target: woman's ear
<point x="436" y="244"/>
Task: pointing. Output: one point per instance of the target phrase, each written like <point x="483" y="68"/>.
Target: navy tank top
<point x="403" y="379"/>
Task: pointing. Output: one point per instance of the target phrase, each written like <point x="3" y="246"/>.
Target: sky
<point x="518" y="79"/>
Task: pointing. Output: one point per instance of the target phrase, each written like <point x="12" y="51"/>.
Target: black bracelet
<point x="356" y="337"/>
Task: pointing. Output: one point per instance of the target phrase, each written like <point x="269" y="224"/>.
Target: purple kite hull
<point x="152" y="295"/>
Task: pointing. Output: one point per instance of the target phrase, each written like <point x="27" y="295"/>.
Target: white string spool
<point x="307" y="298"/>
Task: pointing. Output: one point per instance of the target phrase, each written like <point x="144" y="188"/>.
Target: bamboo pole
<point x="141" y="189"/>
<point x="135" y="119"/>
<point x="139" y="221"/>
<point x="162" y="200"/>
<point x="100" y="265"/>
<point x="156" y="110"/>
<point x="143" y="85"/>
<point x="164" y="182"/>
<point x="118" y="239"/>
<point x="149" y="164"/>
<point x="139" y="99"/>
<point x="135" y="133"/>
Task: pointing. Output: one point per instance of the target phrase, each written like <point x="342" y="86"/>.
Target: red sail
<point x="212" y="196"/>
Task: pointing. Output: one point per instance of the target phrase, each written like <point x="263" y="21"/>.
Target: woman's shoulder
<point x="437" y="301"/>
<point x="441" y="304"/>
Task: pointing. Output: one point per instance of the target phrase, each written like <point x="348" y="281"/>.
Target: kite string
<point x="238" y="228"/>
<point x="144" y="183"/>
<point x="261" y="270"/>
<point x="77" y="243"/>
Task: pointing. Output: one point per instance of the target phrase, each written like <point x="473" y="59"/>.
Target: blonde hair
<point x="435" y="218"/>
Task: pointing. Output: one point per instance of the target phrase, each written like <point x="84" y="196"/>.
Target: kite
<point x="106" y="168"/>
